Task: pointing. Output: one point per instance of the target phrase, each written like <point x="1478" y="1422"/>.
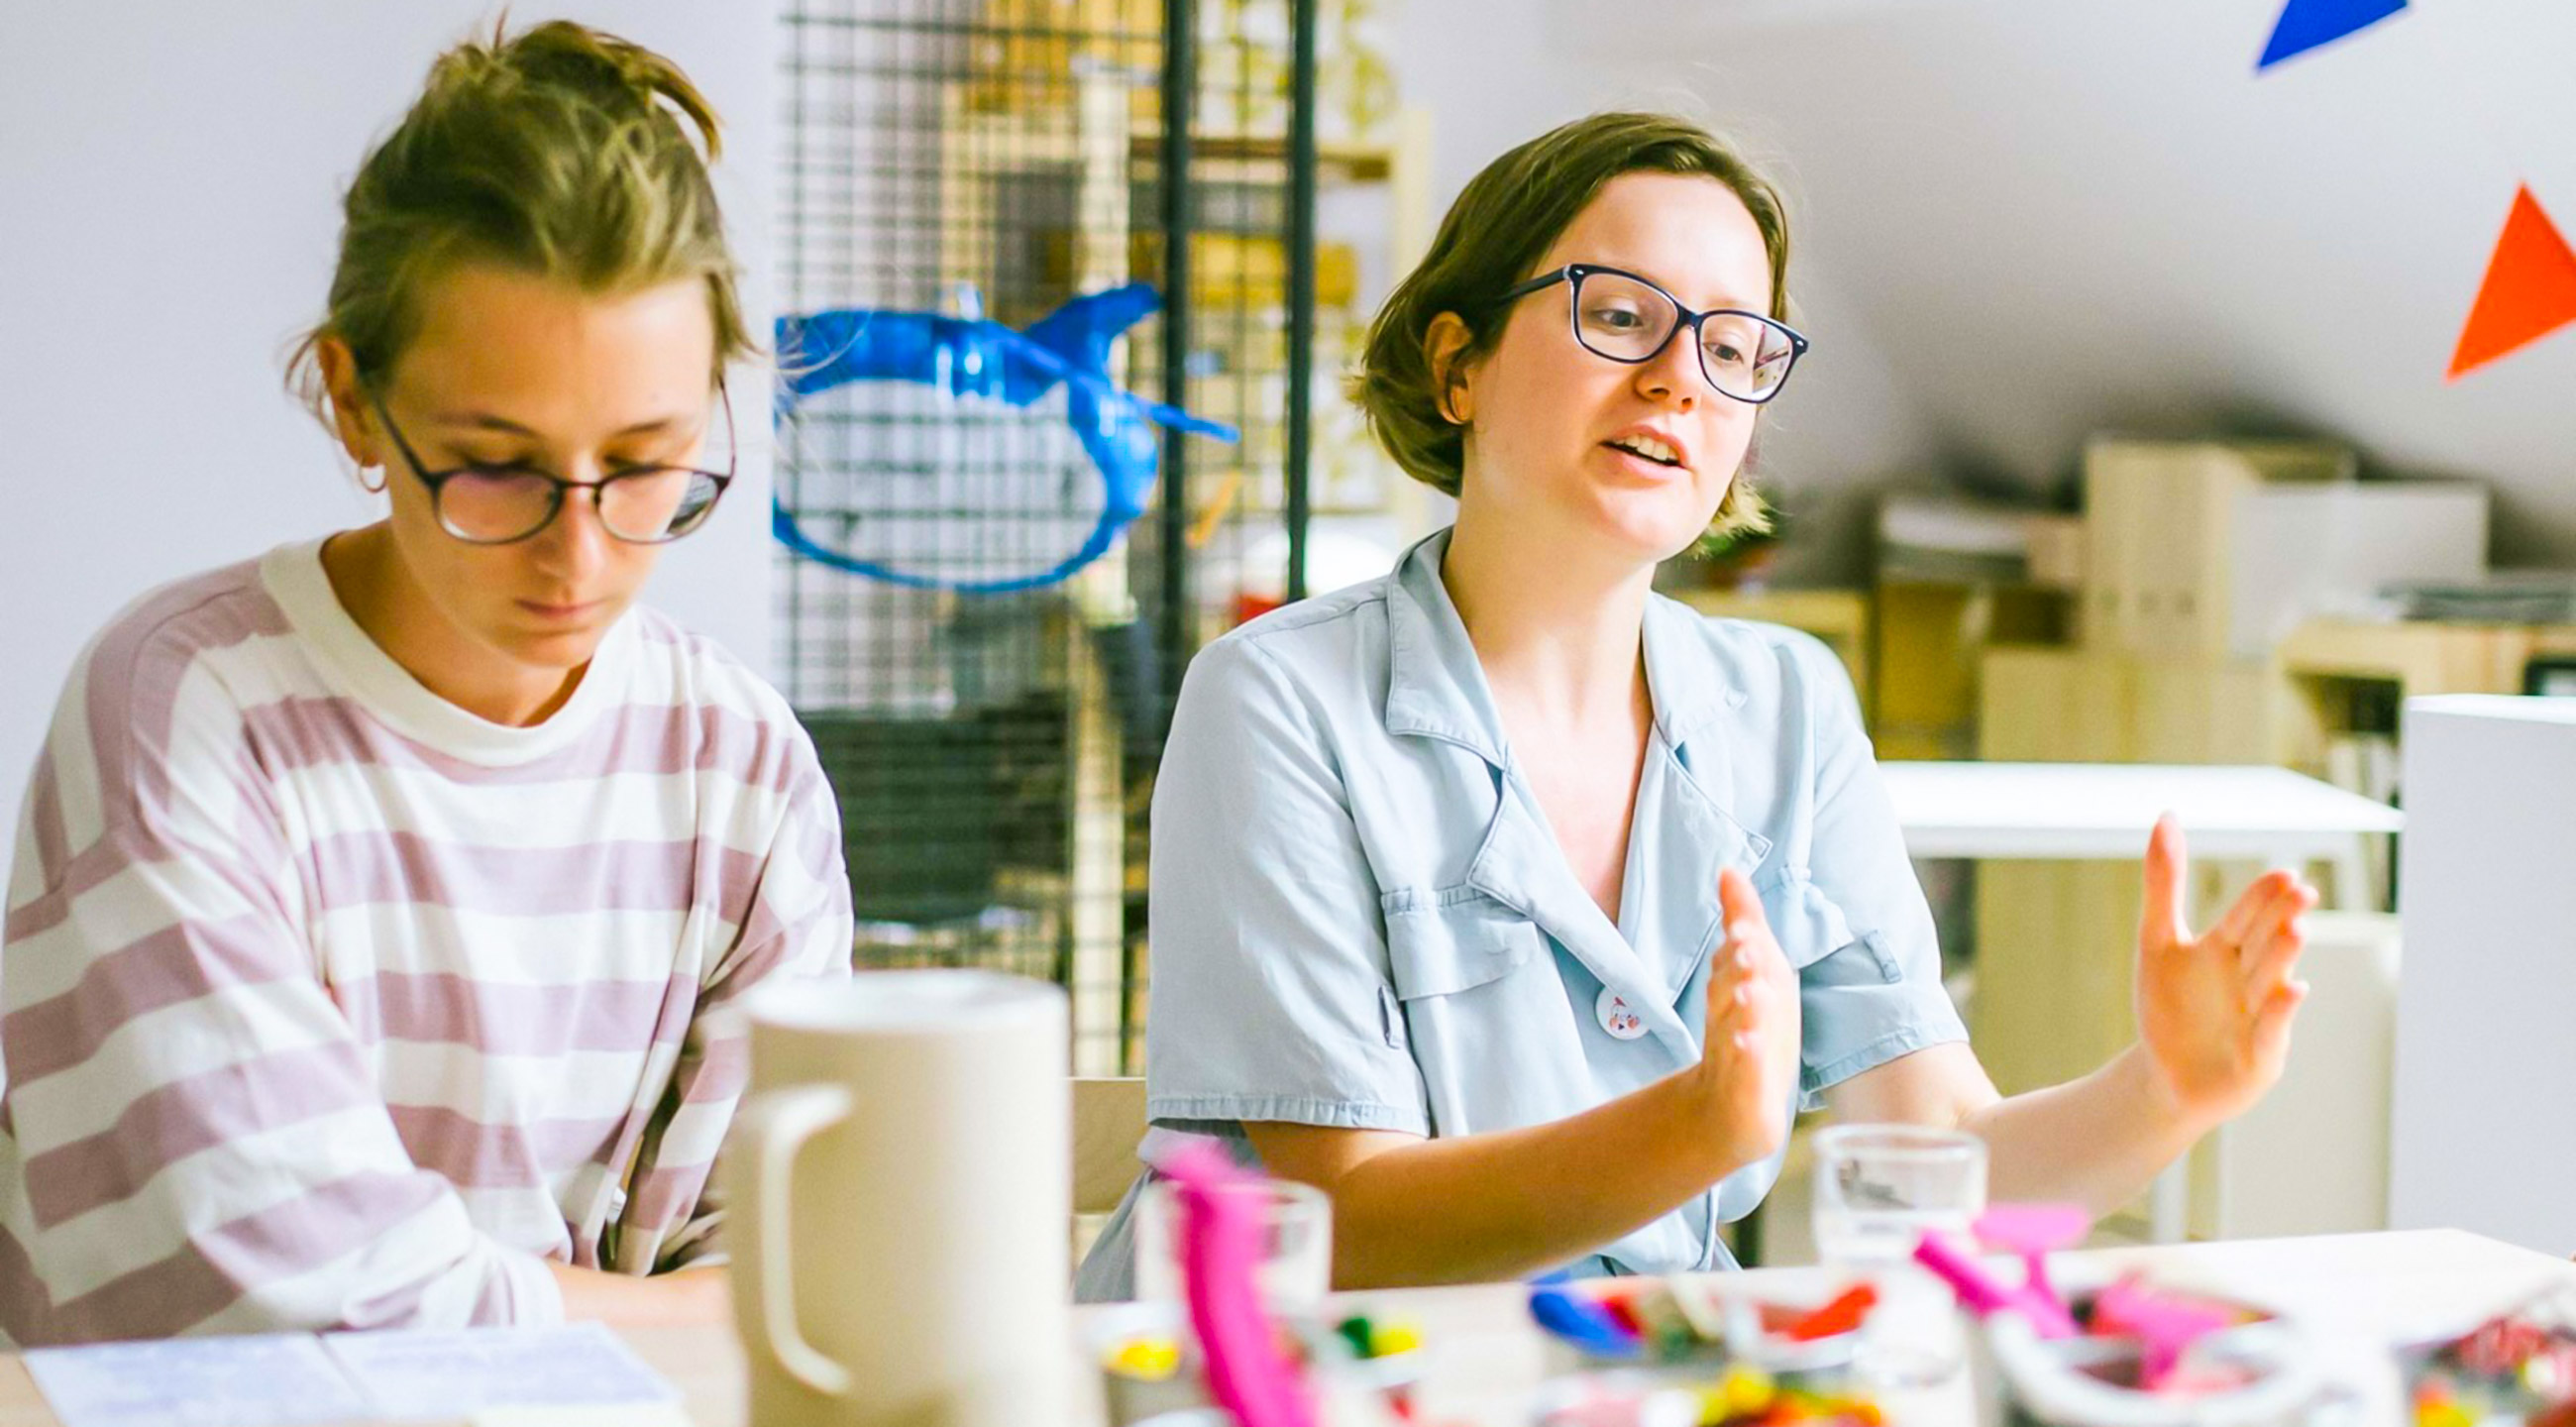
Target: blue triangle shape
<point x="2306" y="24"/>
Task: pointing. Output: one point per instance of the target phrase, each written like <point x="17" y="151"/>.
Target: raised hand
<point x="1748" y="1068"/>
<point x="2214" y="1011"/>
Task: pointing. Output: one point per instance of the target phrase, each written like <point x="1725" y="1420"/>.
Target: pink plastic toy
<point x="1220" y="1254"/>
<point x="2165" y="1325"/>
<point x="1980" y="1294"/>
<point x="2034" y="1231"/>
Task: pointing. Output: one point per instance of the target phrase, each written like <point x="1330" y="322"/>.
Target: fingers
<point x="2160" y="923"/>
<point x="1735" y="979"/>
<point x="1730" y="999"/>
<point x="2272" y="950"/>
<point x="1740" y="1024"/>
<point x="2272" y="897"/>
<point x="1735" y="897"/>
<point x="1751" y="992"/>
<point x="2272" y="1022"/>
<point x="1749" y="986"/>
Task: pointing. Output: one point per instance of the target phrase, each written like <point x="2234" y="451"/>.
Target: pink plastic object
<point x="1220" y="1255"/>
<point x="2165" y="1325"/>
<point x="2034" y="1231"/>
<point x="1981" y="1295"/>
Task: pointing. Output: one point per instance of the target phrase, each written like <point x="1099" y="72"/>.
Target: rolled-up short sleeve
<point x="1877" y="994"/>
<point x="1273" y="999"/>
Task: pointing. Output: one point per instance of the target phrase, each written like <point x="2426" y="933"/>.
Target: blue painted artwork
<point x="967" y="455"/>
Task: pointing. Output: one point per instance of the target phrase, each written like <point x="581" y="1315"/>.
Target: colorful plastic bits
<point x="1146" y="1359"/>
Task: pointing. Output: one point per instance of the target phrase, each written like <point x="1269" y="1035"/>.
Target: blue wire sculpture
<point x="975" y="356"/>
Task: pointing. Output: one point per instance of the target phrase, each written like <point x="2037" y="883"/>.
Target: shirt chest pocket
<point x="1452" y="948"/>
<point x="1819" y="940"/>
<point x="1471" y="997"/>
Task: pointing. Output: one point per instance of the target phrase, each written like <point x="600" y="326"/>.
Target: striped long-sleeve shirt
<point x="327" y="1004"/>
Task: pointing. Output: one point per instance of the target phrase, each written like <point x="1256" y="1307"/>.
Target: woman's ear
<point x="1443" y="351"/>
<point x="348" y="402"/>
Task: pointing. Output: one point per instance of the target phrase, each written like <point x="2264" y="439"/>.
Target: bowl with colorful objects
<point x="2189" y="1361"/>
<point x="1704" y="1321"/>
<point x="1151" y="1368"/>
<point x="1732" y="1397"/>
<point x="2129" y="1354"/>
<point x="2517" y="1368"/>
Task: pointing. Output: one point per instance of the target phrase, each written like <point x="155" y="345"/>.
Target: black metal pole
<point x="1180" y="88"/>
<point x="1301" y="286"/>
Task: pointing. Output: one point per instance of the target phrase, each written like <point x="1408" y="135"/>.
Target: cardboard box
<point x="2299" y="552"/>
<point x="2214" y="549"/>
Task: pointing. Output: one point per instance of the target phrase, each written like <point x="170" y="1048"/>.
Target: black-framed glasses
<point x="502" y="505"/>
<point x="1626" y="318"/>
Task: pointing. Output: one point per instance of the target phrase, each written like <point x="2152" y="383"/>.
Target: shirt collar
<point x="1682" y="675"/>
<point x="1436" y="688"/>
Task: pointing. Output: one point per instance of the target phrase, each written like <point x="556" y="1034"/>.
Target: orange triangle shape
<point x="2529" y="292"/>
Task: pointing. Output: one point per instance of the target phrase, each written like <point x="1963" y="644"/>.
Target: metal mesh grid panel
<point x="990" y="720"/>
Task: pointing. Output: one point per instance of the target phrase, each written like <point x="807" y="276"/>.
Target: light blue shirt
<point x="1360" y="917"/>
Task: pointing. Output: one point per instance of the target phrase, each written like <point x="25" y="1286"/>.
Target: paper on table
<point x="291" y="1380"/>
<point x="451" y="1375"/>
<point x="665" y="1414"/>
<point x="275" y="1380"/>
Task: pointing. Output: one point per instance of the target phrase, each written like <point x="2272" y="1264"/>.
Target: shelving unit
<point x="1052" y="150"/>
<point x="997" y="158"/>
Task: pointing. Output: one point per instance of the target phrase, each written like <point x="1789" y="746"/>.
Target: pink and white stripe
<point x="326" y="1005"/>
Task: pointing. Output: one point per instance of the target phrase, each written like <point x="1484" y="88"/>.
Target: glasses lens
<point x="1621" y="318"/>
<point x="1746" y="357"/>
<point x="658" y="503"/>
<point x="495" y="505"/>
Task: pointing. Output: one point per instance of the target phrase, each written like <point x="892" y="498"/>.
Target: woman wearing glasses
<point x="371" y="898"/>
<point x="1519" y="908"/>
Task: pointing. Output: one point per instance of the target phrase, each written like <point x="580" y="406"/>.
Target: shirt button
<point x="1618" y="1017"/>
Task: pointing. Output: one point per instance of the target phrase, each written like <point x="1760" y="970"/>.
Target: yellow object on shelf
<point x="2422" y="657"/>
<point x="1231" y="270"/>
<point x="1026" y="53"/>
<point x="1927" y="644"/>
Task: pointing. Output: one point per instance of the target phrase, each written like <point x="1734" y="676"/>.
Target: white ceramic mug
<point x="898" y="1196"/>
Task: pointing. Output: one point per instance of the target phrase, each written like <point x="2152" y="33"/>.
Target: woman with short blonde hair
<point x="372" y="898"/>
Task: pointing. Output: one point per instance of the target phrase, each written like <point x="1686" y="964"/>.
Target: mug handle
<point x="774" y="1125"/>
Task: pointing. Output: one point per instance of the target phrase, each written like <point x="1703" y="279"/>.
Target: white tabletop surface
<point x="2358" y="1291"/>
<point x="2105" y="810"/>
<point x="1483" y="1356"/>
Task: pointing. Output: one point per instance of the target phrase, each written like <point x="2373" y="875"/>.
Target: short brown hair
<point x="560" y="152"/>
<point x="1504" y="221"/>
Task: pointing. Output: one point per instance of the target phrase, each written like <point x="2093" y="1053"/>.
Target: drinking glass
<point x="1296" y="1223"/>
<point x="1879" y="1189"/>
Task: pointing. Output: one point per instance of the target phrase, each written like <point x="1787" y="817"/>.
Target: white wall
<point x="172" y="173"/>
<point x="2022" y="220"/>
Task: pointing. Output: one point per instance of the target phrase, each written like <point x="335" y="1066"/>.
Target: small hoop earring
<point x="377" y="489"/>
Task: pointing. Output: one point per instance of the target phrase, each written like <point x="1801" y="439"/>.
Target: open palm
<point x="2214" y="1011"/>
<point x="1749" y="1060"/>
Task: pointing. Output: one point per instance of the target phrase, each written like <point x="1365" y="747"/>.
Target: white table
<point x="1482" y="1355"/>
<point x="2104" y="812"/>
<point x="2359" y="1291"/>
